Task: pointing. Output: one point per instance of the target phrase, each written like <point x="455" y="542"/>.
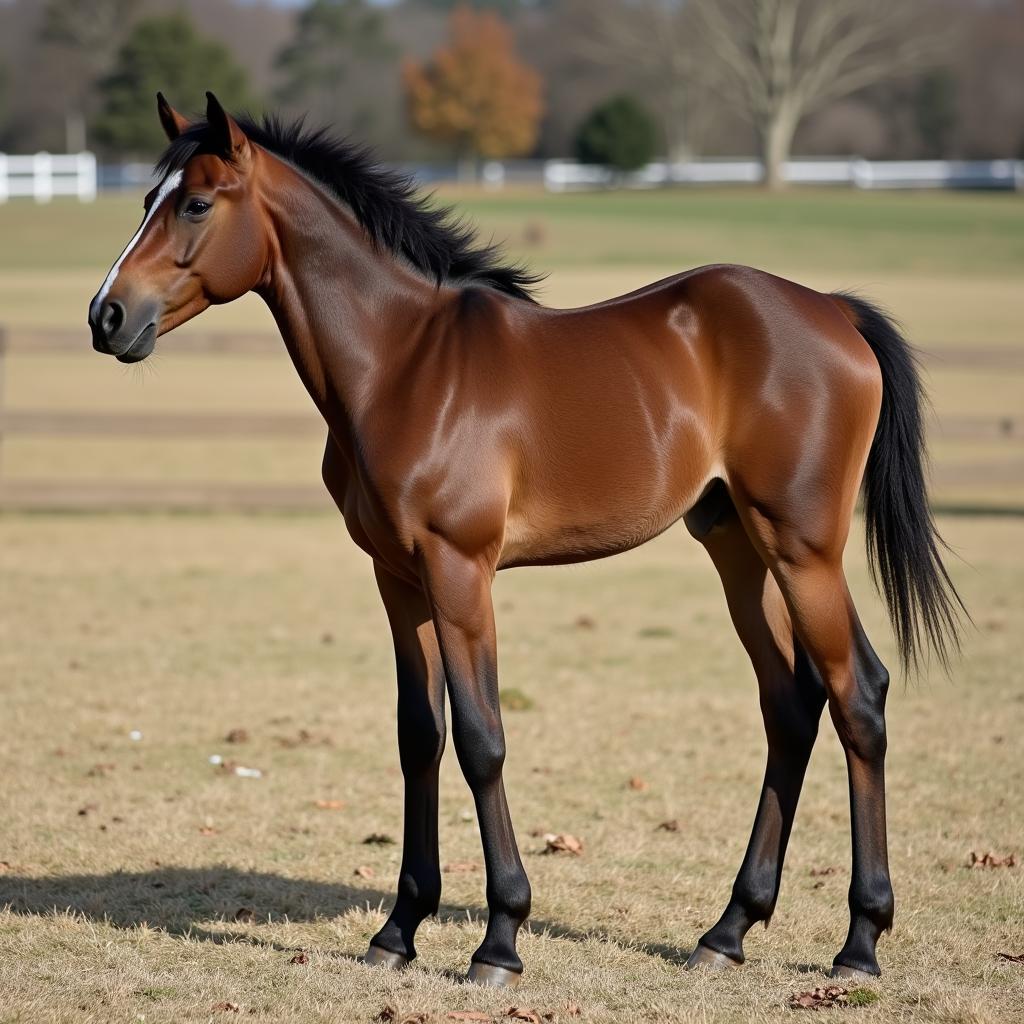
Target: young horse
<point x="470" y="430"/>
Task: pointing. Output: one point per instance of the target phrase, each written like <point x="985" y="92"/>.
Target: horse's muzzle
<point x="129" y="338"/>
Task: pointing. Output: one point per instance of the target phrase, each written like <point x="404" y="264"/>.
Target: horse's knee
<point x="480" y="746"/>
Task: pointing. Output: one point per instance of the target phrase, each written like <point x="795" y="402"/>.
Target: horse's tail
<point x="903" y="543"/>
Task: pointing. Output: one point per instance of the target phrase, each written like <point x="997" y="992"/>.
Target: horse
<point x="472" y="429"/>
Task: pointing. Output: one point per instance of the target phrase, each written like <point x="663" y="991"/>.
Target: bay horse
<point x="471" y="429"/>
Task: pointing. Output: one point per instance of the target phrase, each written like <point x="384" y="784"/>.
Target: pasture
<point x="139" y="881"/>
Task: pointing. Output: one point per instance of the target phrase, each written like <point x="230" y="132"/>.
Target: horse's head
<point x="202" y="240"/>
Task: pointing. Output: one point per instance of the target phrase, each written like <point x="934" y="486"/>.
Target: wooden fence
<point x="46" y="495"/>
<point x="45" y="175"/>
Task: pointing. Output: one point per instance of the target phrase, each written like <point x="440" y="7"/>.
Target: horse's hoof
<point x="711" y="959"/>
<point x="850" y="973"/>
<point x="491" y="976"/>
<point x="378" y="957"/>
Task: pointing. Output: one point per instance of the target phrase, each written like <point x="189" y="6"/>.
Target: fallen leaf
<point x="378" y="839"/>
<point x="821" y="998"/>
<point x="207" y="830"/>
<point x="460" y="867"/>
<point x="822" y="872"/>
<point x="99" y="771"/>
<point x="327" y="637"/>
<point x="87" y="809"/>
<point x="299" y="958"/>
<point x="572" y="1010"/>
<point x="237" y="736"/>
<point x="638" y="784"/>
<point x="563" y="842"/>
<point x="364" y="871"/>
<point x="227" y="1006"/>
<point x="329" y="805"/>
<point x="1013" y="958"/>
<point x="245" y="915"/>
<point x="991" y="860"/>
<point x="470" y="1015"/>
<point x="585" y="622"/>
<point x="521" y="1013"/>
<point x="672" y="825"/>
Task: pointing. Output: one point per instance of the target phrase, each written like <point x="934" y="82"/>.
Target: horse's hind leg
<point x="791" y="701"/>
<point x="804" y="548"/>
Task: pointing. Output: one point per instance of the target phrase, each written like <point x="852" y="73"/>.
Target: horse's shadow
<point x="183" y="901"/>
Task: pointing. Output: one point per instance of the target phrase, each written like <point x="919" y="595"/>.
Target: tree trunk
<point x="468" y="162"/>
<point x="776" y="141"/>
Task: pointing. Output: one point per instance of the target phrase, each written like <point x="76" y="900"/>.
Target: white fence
<point x="45" y="175"/>
<point x="567" y="175"/>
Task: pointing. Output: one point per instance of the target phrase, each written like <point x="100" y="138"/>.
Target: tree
<point x="164" y="54"/>
<point x="324" y="67"/>
<point x="935" y="111"/>
<point x="86" y="35"/>
<point x="618" y="133"/>
<point x="475" y="92"/>
<point x="654" y="39"/>
<point x="92" y="27"/>
<point x="779" y="60"/>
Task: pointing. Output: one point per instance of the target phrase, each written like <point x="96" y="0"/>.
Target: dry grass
<point x="185" y="628"/>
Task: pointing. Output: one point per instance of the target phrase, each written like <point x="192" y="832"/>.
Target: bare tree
<point x="655" y="40"/>
<point x="780" y="60"/>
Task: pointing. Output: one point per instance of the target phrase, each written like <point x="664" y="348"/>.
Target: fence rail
<point x="567" y="175"/>
<point x="42" y="176"/>
<point x="96" y="495"/>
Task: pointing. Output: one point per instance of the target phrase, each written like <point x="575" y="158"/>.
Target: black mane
<point x="383" y="201"/>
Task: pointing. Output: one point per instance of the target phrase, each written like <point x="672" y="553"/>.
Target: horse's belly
<point x="582" y="516"/>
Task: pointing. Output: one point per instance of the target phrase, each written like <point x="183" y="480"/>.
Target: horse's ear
<point x="173" y="122"/>
<point x="233" y="141"/>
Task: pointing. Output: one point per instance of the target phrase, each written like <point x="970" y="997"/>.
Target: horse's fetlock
<point x="514" y="896"/>
<point x="756" y="895"/>
<point x="422" y="890"/>
<point x="873" y="899"/>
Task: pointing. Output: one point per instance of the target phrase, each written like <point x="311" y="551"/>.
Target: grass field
<point x="145" y="883"/>
<point x="138" y="882"/>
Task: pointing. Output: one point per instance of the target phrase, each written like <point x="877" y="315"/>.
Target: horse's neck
<point x="343" y="308"/>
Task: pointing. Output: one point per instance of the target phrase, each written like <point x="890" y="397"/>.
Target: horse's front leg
<point x="459" y="587"/>
<point x="421" y="732"/>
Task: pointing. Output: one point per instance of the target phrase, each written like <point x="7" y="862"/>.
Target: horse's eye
<point x="196" y="207"/>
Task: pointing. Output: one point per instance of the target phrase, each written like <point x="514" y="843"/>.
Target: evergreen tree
<point x="324" y="68"/>
<point x="618" y="133"/>
<point x="167" y="54"/>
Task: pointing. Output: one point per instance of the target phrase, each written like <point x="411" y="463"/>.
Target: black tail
<point x="903" y="543"/>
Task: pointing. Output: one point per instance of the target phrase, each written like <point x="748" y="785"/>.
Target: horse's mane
<point x="384" y="202"/>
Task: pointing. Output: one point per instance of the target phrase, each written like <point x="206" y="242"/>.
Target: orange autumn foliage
<point x="475" y="91"/>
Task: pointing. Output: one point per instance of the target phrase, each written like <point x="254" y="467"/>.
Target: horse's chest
<point x="369" y="523"/>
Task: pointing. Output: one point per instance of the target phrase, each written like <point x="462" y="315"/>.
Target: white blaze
<point x="167" y="186"/>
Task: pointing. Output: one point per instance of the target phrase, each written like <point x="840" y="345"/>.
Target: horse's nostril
<point x="111" y="318"/>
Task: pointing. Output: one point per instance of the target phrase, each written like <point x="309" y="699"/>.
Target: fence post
<point x="42" y="177"/>
<point x="85" y="175"/>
